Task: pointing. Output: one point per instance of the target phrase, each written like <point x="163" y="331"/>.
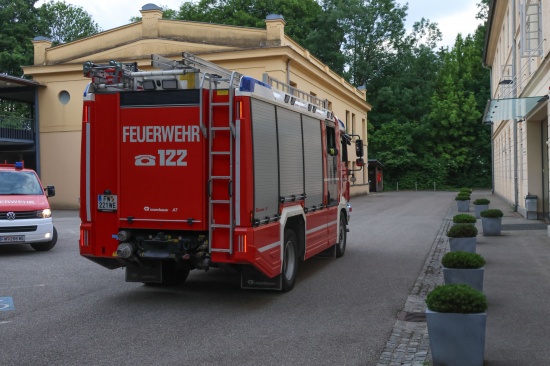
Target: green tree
<point x="326" y="37"/>
<point x="458" y="137"/>
<point x="63" y="23"/>
<point x="374" y="30"/>
<point x="300" y="15"/>
<point x="18" y="26"/>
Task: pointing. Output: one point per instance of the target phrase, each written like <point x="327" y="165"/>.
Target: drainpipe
<point x="37" y="135"/>
<point x="515" y="95"/>
<point x="485" y="66"/>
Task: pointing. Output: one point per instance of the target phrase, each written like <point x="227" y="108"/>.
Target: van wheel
<point x="43" y="247"/>
<point x="342" y="237"/>
<point x="290" y="260"/>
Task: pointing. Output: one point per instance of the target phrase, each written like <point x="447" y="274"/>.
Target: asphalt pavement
<point x="394" y="260"/>
<point x="516" y="283"/>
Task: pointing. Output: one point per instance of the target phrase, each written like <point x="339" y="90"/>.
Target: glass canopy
<point x="508" y="109"/>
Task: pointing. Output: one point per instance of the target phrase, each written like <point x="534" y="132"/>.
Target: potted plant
<point x="465" y="190"/>
<point x="462" y="238"/>
<point x="456" y="317"/>
<point x="462" y="202"/>
<point x="463" y="267"/>
<point x="464" y="219"/>
<point x="481" y="204"/>
<point x="491" y="221"/>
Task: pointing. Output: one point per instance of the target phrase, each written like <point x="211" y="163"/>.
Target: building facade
<point x="265" y="54"/>
<point x="517" y="50"/>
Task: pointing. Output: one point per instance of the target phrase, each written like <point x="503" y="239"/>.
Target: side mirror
<point x="360" y="162"/>
<point x="359" y="148"/>
<point x="50" y="191"/>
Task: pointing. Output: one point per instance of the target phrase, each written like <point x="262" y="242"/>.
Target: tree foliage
<point x="63" y="23"/>
<point x="300" y="15"/>
<point x="18" y="26"/>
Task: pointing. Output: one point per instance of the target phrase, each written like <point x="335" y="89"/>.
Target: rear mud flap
<point x="252" y="279"/>
<point x="328" y="253"/>
<point x="152" y="273"/>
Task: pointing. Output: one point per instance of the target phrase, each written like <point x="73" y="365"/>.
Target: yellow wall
<point x="60" y="155"/>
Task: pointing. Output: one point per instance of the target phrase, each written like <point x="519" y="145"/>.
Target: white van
<point x="25" y="215"/>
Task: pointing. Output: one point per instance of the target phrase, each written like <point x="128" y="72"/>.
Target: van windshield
<point x="24" y="183"/>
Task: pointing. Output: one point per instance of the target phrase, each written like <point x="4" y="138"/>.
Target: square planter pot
<point x="463" y="206"/>
<point x="463" y="244"/>
<point x="480" y="208"/>
<point x="491" y="226"/>
<point x="471" y="276"/>
<point x="456" y="339"/>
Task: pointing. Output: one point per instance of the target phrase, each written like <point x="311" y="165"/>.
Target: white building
<point x="517" y="46"/>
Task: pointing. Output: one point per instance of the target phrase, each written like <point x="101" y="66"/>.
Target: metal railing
<point x="277" y="84"/>
<point x="16" y="128"/>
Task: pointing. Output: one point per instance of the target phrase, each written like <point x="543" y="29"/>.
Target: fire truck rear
<point x="193" y="166"/>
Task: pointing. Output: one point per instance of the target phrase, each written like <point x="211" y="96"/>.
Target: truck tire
<point x="342" y="238"/>
<point x="290" y="261"/>
<point x="42" y="247"/>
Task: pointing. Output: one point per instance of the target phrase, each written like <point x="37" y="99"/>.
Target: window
<point x="64" y="97"/>
<point x="531" y="28"/>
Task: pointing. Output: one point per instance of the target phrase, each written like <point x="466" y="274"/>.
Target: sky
<point x="453" y="17"/>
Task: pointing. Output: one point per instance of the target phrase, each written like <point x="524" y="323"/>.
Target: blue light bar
<point x="18" y="165"/>
<point x="248" y="83"/>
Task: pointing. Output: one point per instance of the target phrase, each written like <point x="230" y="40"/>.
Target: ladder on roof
<point x="211" y="70"/>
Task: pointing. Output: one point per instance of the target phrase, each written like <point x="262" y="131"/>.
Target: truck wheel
<point x="290" y="260"/>
<point x="42" y="247"/>
<point x="342" y="237"/>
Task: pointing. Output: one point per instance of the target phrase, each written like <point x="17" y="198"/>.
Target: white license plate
<point x="12" y="239"/>
<point x="107" y="202"/>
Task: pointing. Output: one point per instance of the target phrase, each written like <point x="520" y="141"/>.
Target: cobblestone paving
<point x="408" y="344"/>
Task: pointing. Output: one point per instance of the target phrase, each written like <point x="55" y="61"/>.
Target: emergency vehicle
<point x="25" y="215"/>
<point x="194" y="166"/>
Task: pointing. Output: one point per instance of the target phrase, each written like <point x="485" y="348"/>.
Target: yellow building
<point x="517" y="50"/>
<point x="266" y="54"/>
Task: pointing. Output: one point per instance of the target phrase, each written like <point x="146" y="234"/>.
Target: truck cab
<point x="25" y="214"/>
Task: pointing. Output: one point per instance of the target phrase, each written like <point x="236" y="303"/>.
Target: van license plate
<point x="12" y="239"/>
<point x="107" y="202"/>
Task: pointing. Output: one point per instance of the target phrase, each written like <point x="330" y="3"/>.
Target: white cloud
<point x="452" y="17"/>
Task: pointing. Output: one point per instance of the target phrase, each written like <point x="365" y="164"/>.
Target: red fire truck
<point x="192" y="166"/>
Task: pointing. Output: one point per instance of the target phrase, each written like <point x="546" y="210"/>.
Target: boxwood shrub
<point x="481" y="201"/>
<point x="462" y="197"/>
<point x="465" y="190"/>
<point x="492" y="212"/>
<point x="462" y="231"/>
<point x="456" y="298"/>
<point x="462" y="260"/>
<point x="464" y="219"/>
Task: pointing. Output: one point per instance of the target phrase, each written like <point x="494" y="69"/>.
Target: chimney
<point x="40" y="45"/>
<point x="150" y="15"/>
<point x="275" y="27"/>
